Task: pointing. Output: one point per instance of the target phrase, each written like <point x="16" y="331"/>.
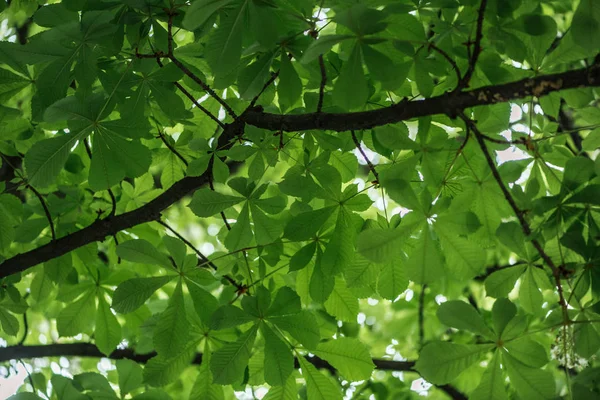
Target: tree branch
<point x="447" y="103"/>
<point x="90" y="350"/>
<point x="464" y="82"/>
<point x="364" y="155"/>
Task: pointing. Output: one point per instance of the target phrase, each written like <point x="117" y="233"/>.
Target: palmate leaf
<point x="70" y="323"/>
<point x="224" y="48"/>
<point x="228" y="363"/>
<point x="491" y="386"/>
<point x="113" y="158"/>
<point x="165" y="368"/>
<point x="133" y="293"/>
<point x="108" y="330"/>
<point x="279" y="361"/>
<point x="289" y="88"/>
<point x="286" y="392"/>
<point x="302" y="326"/>
<point x="130" y="375"/>
<point x="442" y="362"/>
<point x="342" y="304"/>
<point x="46" y="158"/>
<point x="350" y="90"/>
<point x="318" y="385"/>
<point x="350" y="357"/>
<point x="171" y="334"/>
<point x="530" y="383"/>
<point x="461" y="315"/>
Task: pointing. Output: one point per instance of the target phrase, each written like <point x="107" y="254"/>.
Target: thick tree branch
<point x="449" y="103"/>
<point x="90" y="350"/>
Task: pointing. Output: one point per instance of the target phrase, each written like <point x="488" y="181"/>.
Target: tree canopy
<point x="277" y="199"/>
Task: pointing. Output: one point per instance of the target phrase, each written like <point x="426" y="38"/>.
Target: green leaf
<point x="503" y="312"/>
<point x="240" y="235"/>
<point x="108" y="329"/>
<point x="442" y="362"/>
<point x="305" y="225"/>
<point x="200" y="11"/>
<point x="10" y="324"/>
<point x="286" y="392"/>
<point x="587" y="340"/>
<point x="349" y="356"/>
<point x="141" y="251"/>
<point x="286" y="302"/>
<point x="203" y="388"/>
<point x="529" y="293"/>
<point x="165" y="368"/>
<point x="527" y="351"/>
<point x="318" y="386"/>
<point x="279" y="361"/>
<point x="392" y="280"/>
<point x="69" y="321"/>
<point x="302" y="257"/>
<point x="530" y="383"/>
<point x="46" y="158"/>
<point x="130" y="375"/>
<point x="461" y="315"/>
<point x="424" y="263"/>
<point x="253" y="78"/>
<point x="342" y="304"/>
<point x="266" y="229"/>
<point x="350" y="91"/>
<point x="464" y="258"/>
<point x="204" y="302"/>
<point x="383" y="69"/>
<point x="322" y="45"/>
<point x="340" y="250"/>
<point x="491" y="386"/>
<point x="133" y="293"/>
<point x="586" y="25"/>
<point x="171" y="334"/>
<point x="229" y="362"/>
<point x="302" y="326"/>
<point x="289" y="88"/>
<point x="381" y="245"/>
<point x="229" y="316"/>
<point x="500" y="283"/>
<point x="113" y="158"/>
<point x="224" y="49"/>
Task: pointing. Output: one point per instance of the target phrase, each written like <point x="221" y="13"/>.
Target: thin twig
<point x="448" y="58"/>
<point x="113" y="200"/>
<point x="45" y="207"/>
<point x="422" y="316"/>
<point x="205" y="260"/>
<point x="203" y="85"/>
<point x="322" y="84"/>
<point x="171" y="148"/>
<point x="192" y="98"/>
<point x="25" y="328"/>
<point x="364" y="155"/>
<point x="265" y="86"/>
<point x="464" y="82"/>
<point x="117" y="244"/>
<point x="519" y="214"/>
